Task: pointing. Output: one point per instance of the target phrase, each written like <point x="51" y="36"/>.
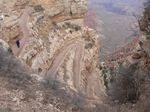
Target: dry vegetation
<point x="144" y="21"/>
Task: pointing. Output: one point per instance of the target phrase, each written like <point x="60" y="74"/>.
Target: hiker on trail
<point x="18" y="43"/>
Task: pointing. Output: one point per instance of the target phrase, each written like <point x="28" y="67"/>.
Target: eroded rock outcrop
<point x="54" y="42"/>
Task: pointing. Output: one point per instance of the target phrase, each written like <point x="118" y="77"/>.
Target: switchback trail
<point x="59" y="59"/>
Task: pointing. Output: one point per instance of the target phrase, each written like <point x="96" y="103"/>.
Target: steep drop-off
<point x="49" y="62"/>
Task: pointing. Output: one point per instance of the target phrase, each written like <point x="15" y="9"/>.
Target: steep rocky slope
<point x="54" y="41"/>
<point x="54" y="55"/>
<point x="49" y="62"/>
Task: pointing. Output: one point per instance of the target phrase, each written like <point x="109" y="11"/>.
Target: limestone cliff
<point x="50" y="38"/>
<point x="49" y="62"/>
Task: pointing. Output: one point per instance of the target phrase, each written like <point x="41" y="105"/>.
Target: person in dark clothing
<point x="18" y="43"/>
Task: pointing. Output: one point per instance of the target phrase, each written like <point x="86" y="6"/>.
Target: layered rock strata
<point x="54" y="42"/>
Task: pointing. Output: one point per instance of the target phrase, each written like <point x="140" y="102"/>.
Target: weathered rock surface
<point x="49" y="61"/>
<point x="55" y="44"/>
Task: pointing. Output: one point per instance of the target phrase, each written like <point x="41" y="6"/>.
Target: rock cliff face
<point x="50" y="37"/>
<point x="49" y="62"/>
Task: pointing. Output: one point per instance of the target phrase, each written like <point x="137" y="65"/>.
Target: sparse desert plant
<point x="144" y="21"/>
<point x="124" y="88"/>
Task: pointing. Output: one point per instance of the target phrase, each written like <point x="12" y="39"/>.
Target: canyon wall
<point x="49" y="62"/>
<point x="50" y="37"/>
